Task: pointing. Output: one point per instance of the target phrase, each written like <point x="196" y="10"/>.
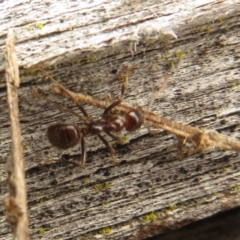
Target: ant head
<point x="134" y="119"/>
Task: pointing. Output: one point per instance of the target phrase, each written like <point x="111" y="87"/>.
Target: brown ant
<point x="65" y="136"/>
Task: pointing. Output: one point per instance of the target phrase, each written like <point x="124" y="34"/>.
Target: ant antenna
<point x="124" y="86"/>
<point x="64" y="92"/>
<point x="85" y="118"/>
<point x="40" y="67"/>
<point x="155" y="95"/>
<point x="35" y="92"/>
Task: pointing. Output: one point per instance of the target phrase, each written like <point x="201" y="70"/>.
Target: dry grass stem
<point x="200" y="139"/>
<point x="16" y="204"/>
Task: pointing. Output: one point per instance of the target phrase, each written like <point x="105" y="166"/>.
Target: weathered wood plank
<point x="88" y="46"/>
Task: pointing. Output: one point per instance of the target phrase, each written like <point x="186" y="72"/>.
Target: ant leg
<point x="114" y="104"/>
<point x="110" y="149"/>
<point x="63" y="90"/>
<point x="63" y="160"/>
<point x="122" y="140"/>
<point x="84" y="152"/>
<point x="39" y="95"/>
<point x="81" y="108"/>
<point x="110" y="107"/>
<point x="114" y="137"/>
<point x="40" y="67"/>
<point x="69" y="162"/>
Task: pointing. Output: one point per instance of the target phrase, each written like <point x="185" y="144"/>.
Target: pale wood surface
<point x="88" y="44"/>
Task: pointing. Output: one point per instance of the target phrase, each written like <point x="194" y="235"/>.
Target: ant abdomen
<point x="63" y="135"/>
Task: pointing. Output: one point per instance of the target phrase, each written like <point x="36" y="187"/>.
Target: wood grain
<point x="88" y="47"/>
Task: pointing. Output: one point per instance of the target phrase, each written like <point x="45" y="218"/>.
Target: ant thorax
<point x="115" y="123"/>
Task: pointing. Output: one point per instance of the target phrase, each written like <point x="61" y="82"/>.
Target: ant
<point x="64" y="136"/>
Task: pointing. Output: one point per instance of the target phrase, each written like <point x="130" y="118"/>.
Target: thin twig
<point x="16" y="204"/>
<point x="201" y="139"/>
<point x="65" y="109"/>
